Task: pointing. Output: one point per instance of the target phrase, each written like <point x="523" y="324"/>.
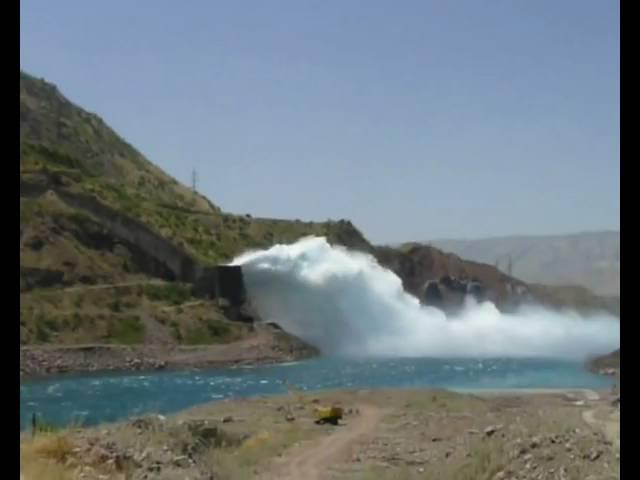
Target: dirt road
<point x="310" y="461"/>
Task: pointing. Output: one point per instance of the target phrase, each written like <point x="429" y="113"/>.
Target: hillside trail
<point x="310" y="461"/>
<point x="103" y="286"/>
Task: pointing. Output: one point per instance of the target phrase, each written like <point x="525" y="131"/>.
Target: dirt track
<point x="310" y="460"/>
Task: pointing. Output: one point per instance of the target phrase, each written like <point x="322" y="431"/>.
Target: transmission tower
<point x="194" y="180"/>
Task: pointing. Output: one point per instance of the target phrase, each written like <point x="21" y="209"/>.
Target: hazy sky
<point x="416" y="119"/>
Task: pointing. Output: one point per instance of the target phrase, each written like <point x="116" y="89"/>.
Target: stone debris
<point x="594" y="455"/>
<point x="489" y="431"/>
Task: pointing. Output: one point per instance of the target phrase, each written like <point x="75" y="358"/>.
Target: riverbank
<point x="607" y="364"/>
<point x="267" y="345"/>
<point x="385" y="434"/>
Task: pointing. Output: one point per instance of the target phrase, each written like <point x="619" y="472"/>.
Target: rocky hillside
<point x="98" y="222"/>
<point x="443" y="279"/>
<point x="70" y="161"/>
<point x="591" y="260"/>
<point x="110" y="245"/>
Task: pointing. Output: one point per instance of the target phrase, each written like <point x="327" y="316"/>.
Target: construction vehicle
<point x="328" y="415"/>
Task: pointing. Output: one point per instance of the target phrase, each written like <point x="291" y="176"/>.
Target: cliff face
<point x="443" y="279"/>
<point x="418" y="265"/>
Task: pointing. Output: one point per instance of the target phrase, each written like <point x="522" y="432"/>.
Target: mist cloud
<point x="344" y="302"/>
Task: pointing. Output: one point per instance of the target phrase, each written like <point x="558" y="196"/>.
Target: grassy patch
<point x="196" y="336"/>
<point x="55" y="446"/>
<point x="41" y="155"/>
<point x="212" y="330"/>
<point x="43" y="327"/>
<point x="127" y="329"/>
<point x="172" y="293"/>
<point x="115" y="305"/>
<point x="45" y="457"/>
<point x="175" y="330"/>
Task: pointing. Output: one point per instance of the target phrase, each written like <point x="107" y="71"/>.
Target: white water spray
<point x="344" y="302"/>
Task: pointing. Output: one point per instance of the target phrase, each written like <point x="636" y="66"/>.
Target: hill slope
<point x="591" y="260"/>
<point x="109" y="243"/>
<point x="94" y="211"/>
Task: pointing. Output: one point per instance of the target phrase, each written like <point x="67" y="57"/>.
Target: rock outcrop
<point x="607" y="364"/>
<point x="444" y="280"/>
<point x="449" y="293"/>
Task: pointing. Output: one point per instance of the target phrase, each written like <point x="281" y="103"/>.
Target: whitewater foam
<point x="344" y="302"/>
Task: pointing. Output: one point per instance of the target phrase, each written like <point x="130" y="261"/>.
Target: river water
<point x="91" y="399"/>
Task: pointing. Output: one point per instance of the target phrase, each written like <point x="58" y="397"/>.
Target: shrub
<point x="115" y="306"/>
<point x="175" y="330"/>
<point x="173" y="293"/>
<point x="196" y="336"/>
<point x="218" y="328"/>
<point x="78" y="301"/>
<point x="126" y="329"/>
<point x="42" y="335"/>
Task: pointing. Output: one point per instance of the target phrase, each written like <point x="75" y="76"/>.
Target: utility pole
<point x="194" y="180"/>
<point x="509" y="266"/>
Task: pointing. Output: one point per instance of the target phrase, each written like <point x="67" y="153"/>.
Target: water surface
<point x="92" y="399"/>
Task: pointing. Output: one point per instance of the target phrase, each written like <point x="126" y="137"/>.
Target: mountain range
<point x="590" y="259"/>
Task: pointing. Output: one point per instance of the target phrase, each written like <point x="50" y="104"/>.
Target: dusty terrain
<point x="385" y="434"/>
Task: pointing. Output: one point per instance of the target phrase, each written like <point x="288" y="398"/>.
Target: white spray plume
<point x="344" y="302"/>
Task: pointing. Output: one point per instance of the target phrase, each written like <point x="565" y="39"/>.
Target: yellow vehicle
<point x="328" y="415"/>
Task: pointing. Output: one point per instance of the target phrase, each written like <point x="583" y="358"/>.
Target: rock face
<point x="443" y="280"/>
<point x="449" y="293"/>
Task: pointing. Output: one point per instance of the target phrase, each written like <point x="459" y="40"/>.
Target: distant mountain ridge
<point x="588" y="259"/>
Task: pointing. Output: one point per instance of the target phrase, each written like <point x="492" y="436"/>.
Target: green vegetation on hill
<point x="131" y="313"/>
<point x="64" y="147"/>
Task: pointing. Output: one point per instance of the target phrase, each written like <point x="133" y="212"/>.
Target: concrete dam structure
<point x="225" y="284"/>
<point x="221" y="282"/>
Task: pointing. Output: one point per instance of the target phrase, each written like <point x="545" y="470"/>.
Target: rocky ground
<point x="267" y="345"/>
<point x="384" y="435"/>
